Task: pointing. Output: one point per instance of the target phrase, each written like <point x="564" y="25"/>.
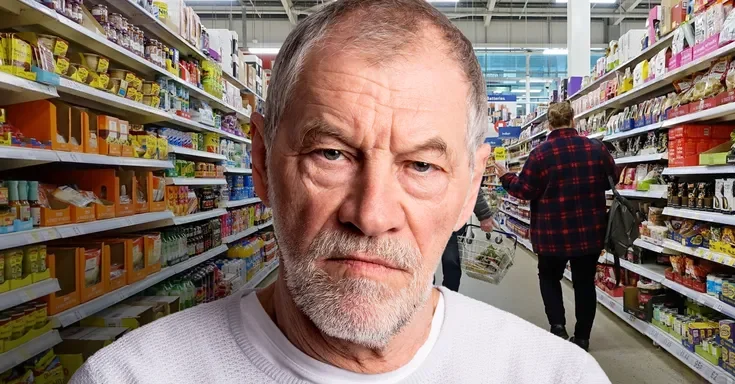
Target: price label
<point x="631" y="318"/>
<point x="78" y="315"/>
<point x="684" y="355"/>
<point x="698" y="365"/>
<point x="77" y="231"/>
<point x="500" y="154"/>
<point x="667" y="342"/>
<point x="714" y="375"/>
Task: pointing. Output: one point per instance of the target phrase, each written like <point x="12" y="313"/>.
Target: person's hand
<point x="500" y="169"/>
<point x="487" y="225"/>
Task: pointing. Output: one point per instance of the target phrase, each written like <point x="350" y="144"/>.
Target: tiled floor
<point x="627" y="356"/>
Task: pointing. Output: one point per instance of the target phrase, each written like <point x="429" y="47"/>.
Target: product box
<point x="161" y="305"/>
<point x="716" y="155"/>
<point x="80" y="343"/>
<point x="143" y="181"/>
<point x="53" y="123"/>
<point x="63" y="263"/>
<point x="632" y="305"/>
<point x="108" y="135"/>
<point x="58" y="213"/>
<point x="93" y="269"/>
<point x="121" y="315"/>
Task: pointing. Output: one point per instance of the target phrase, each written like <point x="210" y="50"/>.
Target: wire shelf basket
<point x="486" y="256"/>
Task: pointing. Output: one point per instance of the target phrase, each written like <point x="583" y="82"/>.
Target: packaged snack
<point x="713" y="82"/>
<point x="728" y="29"/>
<point x="730" y="77"/>
<point x="692" y="195"/>
<point x="727" y="195"/>
<point x="717" y="202"/>
<point x="683" y="195"/>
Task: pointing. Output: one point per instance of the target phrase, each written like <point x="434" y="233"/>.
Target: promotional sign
<point x="500" y="154"/>
<point x="509" y="132"/>
<point x="501" y="107"/>
<point x="494" y="141"/>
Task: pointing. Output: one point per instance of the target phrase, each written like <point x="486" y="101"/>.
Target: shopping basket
<point x="486" y="256"/>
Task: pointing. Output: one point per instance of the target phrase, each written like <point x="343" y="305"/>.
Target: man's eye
<point x="420" y="166"/>
<point x="331" y="154"/>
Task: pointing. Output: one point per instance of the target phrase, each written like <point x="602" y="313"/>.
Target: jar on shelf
<point x="115" y="20"/>
<point x="124" y="39"/>
<point x="100" y="13"/>
<point x="111" y="32"/>
<point x="161" y="55"/>
<point x="150" y="50"/>
<point x="140" y="42"/>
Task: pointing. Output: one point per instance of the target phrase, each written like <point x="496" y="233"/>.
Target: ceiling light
<point x="263" y="51"/>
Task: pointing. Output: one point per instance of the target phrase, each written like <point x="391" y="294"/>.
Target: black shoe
<point x="560" y="330"/>
<point x="582" y="343"/>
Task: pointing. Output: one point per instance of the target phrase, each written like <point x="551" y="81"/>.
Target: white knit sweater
<point x="210" y="344"/>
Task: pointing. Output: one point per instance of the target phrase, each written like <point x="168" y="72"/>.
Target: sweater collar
<point x="562" y="132"/>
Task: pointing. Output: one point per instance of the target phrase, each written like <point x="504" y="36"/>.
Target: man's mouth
<point x="365" y="261"/>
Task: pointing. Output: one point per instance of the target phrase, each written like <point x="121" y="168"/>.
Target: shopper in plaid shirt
<point x="565" y="178"/>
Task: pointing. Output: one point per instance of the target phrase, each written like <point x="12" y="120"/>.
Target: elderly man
<point x="371" y="155"/>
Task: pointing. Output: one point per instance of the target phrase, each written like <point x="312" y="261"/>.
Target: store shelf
<point x="194" y="217"/>
<point x="722" y="112"/>
<point x="16" y="157"/>
<point x="522" y="219"/>
<point x="712" y="217"/>
<point x="711" y="373"/>
<point x="657" y="194"/>
<point x="265" y="225"/>
<point x="596" y="135"/>
<point x="535" y="121"/>
<point x="196" y="153"/>
<point x="89" y="308"/>
<point x="644" y="55"/>
<point x="246" y="89"/>
<point x="642" y="158"/>
<point x="700" y="170"/>
<point x="31" y="292"/>
<point x="641" y="243"/>
<point x="195" y="181"/>
<point x="261" y="275"/>
<point x="244" y="171"/>
<point x="518" y="159"/>
<point x="535" y="135"/>
<point x="240" y="235"/>
<point x="659" y="83"/>
<point x="634" y="132"/>
<point x="700" y="252"/>
<point x="17" y="356"/>
<point x="240" y="203"/>
<point x="17" y="90"/>
<point x="39" y="235"/>
<point x="526" y="243"/>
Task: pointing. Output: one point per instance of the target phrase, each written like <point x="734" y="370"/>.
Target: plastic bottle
<point x="13" y="199"/>
<point x="34" y="203"/>
<point x="25" y="207"/>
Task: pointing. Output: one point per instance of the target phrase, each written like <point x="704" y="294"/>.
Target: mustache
<point x="335" y="244"/>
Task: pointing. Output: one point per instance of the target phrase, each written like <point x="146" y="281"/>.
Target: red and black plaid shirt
<point x="565" y="178"/>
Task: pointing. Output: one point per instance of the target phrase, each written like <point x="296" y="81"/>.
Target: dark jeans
<point x="550" y="273"/>
<point x="451" y="267"/>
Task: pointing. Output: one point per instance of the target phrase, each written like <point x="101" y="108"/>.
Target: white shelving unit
<point x="633" y="132"/>
<point x="22" y="238"/>
<point x="194" y="217"/>
<point x="535" y="135"/>
<point x="81" y="311"/>
<point x="240" y="235"/>
<point x="194" y="181"/>
<point x="240" y="203"/>
<point x="712" y="217"/>
<point x="642" y="158"/>
<point x="196" y="153"/>
<point x="511" y="214"/>
<point x="656" y="194"/>
<point x="26" y="351"/>
<point x="700" y="252"/>
<point x="244" y="171"/>
<point x="22" y="295"/>
<point x="700" y="170"/>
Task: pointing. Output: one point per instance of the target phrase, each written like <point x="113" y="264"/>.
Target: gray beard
<point x="362" y="311"/>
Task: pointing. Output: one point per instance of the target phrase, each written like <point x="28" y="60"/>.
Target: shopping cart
<point x="486" y="256"/>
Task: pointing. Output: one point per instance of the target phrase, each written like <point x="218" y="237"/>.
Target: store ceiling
<point x="470" y="10"/>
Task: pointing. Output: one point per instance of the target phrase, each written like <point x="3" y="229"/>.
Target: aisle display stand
<point x="130" y="153"/>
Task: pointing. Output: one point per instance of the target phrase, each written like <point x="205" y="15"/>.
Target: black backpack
<point x="622" y="227"/>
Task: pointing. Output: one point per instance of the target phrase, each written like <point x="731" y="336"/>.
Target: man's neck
<point x="301" y="332"/>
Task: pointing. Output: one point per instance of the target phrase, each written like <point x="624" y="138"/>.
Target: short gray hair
<point x="391" y="25"/>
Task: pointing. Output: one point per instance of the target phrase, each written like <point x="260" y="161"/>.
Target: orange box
<point x="117" y="256"/>
<point x="82" y="215"/>
<point x="134" y="251"/>
<point x="143" y="182"/>
<point x="108" y="134"/>
<point x="107" y="185"/>
<point x="58" y="214"/>
<point x="126" y="180"/>
<point x="153" y="252"/>
<point x="127" y="151"/>
<point x="63" y="265"/>
<point x="96" y="288"/>
<point x="90" y="133"/>
<point x="104" y="211"/>
<point x="47" y="121"/>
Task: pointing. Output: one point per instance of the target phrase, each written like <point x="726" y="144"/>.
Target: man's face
<point x="368" y="176"/>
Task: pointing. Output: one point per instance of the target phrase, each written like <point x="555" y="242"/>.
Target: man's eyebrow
<point x="435" y="144"/>
<point x="316" y="130"/>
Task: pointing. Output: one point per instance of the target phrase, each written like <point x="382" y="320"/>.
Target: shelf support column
<point x="578" y="37"/>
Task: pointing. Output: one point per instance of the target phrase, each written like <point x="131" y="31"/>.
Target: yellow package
<point x="162" y="148"/>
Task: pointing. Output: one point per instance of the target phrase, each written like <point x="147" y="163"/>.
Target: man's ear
<point x="258" y="154"/>
<point x="481" y="155"/>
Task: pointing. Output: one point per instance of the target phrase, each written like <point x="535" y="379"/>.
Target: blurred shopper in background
<point x="565" y="178"/>
<point x="451" y="264"/>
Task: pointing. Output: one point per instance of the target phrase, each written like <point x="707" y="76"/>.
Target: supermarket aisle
<point x="626" y="355"/>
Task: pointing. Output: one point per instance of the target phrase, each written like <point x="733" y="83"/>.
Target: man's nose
<point x="373" y="205"/>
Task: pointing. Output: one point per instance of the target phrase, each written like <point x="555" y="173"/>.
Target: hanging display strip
<point x="89" y="308"/>
<point x="644" y="55"/>
<point x="713" y="374"/>
<point x="26" y="351"/>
